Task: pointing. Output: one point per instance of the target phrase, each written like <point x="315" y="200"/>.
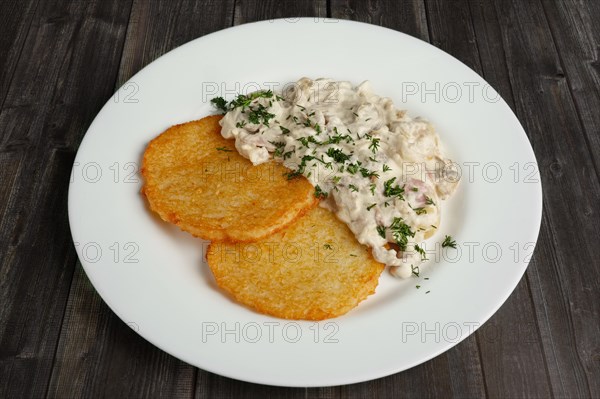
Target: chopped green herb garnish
<point x="401" y="232"/>
<point x="381" y="231"/>
<point x="279" y="146"/>
<point x="389" y="190"/>
<point x="352" y="187"/>
<point x="320" y="193"/>
<point x="352" y="168"/>
<point x="415" y="270"/>
<point x="292" y="175"/>
<point x="260" y="115"/>
<point x="421" y="251"/>
<point x="374" y="146"/>
<point x="449" y="242"/>
<point x="368" y="173"/>
<point x="244" y="101"/>
<point x="386" y="168"/>
<point x="327" y="246"/>
<point x="284" y="130"/>
<point x="219" y="103"/>
<point x="309" y="139"/>
<point x="373" y="187"/>
<point x="429" y="201"/>
<point x="371" y="207"/>
<point x="338" y="155"/>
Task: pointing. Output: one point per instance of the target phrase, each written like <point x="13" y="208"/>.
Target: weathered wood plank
<point x="406" y="16"/>
<point x="36" y="253"/>
<point x="507" y="360"/>
<point x="257" y="10"/>
<point x="157" y="27"/>
<point x="36" y="273"/>
<point x="576" y="35"/>
<point x="9" y="165"/>
<point x="492" y="59"/>
<point x="563" y="277"/>
<point x="429" y="380"/>
<point x="98" y="355"/>
<point x="15" y="20"/>
<point x="73" y="50"/>
<point x="209" y="386"/>
<point x="451" y="29"/>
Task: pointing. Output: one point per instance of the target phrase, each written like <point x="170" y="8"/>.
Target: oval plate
<point x="154" y="278"/>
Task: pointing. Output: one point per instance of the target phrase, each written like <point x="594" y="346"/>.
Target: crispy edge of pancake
<point x="297" y="201"/>
<point x="298" y="291"/>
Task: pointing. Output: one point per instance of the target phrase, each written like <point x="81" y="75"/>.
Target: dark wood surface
<point x="61" y="60"/>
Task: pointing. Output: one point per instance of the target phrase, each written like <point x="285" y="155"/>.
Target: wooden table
<point x="61" y="60"/>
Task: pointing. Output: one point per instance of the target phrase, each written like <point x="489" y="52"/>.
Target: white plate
<point x="153" y="276"/>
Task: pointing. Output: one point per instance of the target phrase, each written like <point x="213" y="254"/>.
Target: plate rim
<point x="266" y="381"/>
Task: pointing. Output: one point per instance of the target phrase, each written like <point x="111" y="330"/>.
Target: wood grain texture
<point x="61" y="60"/>
<point x="260" y="10"/>
<point x="98" y="355"/>
<point x="15" y="19"/>
<point x="37" y="256"/>
<point x="209" y="386"/>
<point x="505" y="357"/>
<point x="564" y="275"/>
<point x="405" y="16"/>
<point x="36" y="270"/>
<point x="573" y="25"/>
<point x="156" y="27"/>
<point x="101" y="356"/>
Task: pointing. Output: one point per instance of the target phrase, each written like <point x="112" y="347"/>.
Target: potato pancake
<point x="196" y="179"/>
<point x="314" y="269"/>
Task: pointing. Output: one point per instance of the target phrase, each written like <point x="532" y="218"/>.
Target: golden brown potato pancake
<point x="196" y="179"/>
<point x="314" y="269"/>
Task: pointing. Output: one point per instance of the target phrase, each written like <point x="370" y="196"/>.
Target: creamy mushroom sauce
<point x="382" y="172"/>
